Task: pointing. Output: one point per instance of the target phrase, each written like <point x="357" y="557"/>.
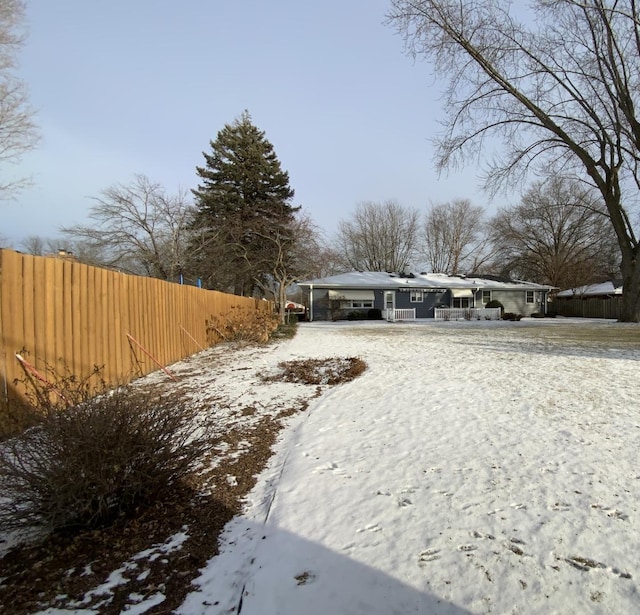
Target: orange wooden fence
<point x="68" y="317"/>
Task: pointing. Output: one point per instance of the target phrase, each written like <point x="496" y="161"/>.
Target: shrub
<point x="374" y="314"/>
<point x="537" y="315"/>
<point x="85" y="466"/>
<point x="285" y="331"/>
<point x="56" y="390"/>
<point x="241" y="325"/>
<point x="494" y="303"/>
<point x="356" y="315"/>
<point x="511" y="316"/>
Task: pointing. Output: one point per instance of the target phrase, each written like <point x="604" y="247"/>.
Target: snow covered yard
<point x="473" y="468"/>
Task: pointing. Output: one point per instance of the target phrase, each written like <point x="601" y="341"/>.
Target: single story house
<point x="612" y="288"/>
<point x="333" y="297"/>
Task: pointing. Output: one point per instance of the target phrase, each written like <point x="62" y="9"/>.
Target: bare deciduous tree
<point x="559" y="235"/>
<point x="139" y="228"/>
<point x="379" y="237"/>
<point x="455" y="237"/>
<point x="18" y="132"/>
<point x="292" y="255"/>
<point x="561" y="88"/>
<point x="36" y="245"/>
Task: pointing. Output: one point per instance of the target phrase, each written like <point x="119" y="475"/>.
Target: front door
<point x="390" y="304"/>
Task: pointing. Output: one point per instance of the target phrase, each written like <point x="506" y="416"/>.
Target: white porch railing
<point x="467" y="313"/>
<point x="404" y="314"/>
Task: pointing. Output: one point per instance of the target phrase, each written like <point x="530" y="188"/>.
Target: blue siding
<point x="424" y="308"/>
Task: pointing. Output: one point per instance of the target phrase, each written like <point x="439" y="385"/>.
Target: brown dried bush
<point x="241" y="325"/>
<point x="84" y="466"/>
<point x="55" y="390"/>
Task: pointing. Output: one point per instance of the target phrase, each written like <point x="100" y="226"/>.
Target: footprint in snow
<point x="586" y="563"/>
<point x="428" y="555"/>
<point x="613" y="513"/>
<point x="513" y="546"/>
<point x="476" y="534"/>
<point x="304" y="578"/>
<point x="372" y="527"/>
<point x="467" y="548"/>
<point x="560" y="506"/>
<point x="330" y="466"/>
<point x="617" y="514"/>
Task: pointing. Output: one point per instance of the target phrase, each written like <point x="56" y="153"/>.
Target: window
<point x="417" y="296"/>
<point x="462" y="302"/>
<point x="486" y="296"/>
<point x="357" y="303"/>
<point x="529" y="296"/>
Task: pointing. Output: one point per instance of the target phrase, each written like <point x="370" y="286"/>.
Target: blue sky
<point x="142" y="86"/>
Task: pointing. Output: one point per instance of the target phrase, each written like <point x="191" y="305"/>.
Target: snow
<point x="381" y="279"/>
<point x="605" y="288"/>
<point x="475" y="467"/>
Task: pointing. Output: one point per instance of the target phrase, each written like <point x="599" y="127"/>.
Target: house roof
<point x="613" y="287"/>
<point x="384" y="280"/>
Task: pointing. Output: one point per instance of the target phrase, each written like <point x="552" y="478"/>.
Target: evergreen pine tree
<point x="243" y="199"/>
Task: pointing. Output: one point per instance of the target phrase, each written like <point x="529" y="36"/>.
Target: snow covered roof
<point x="606" y="288"/>
<point x="384" y="280"/>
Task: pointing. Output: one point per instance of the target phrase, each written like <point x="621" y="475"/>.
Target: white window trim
<point x="490" y="297"/>
<point x="533" y="297"/>
<point x="416" y="296"/>
<point x="356" y="304"/>
<point x="461" y="300"/>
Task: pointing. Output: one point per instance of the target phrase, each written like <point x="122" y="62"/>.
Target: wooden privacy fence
<point x="589" y="307"/>
<point x="67" y="317"/>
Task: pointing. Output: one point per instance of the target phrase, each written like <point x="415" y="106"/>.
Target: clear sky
<point x="142" y="86"/>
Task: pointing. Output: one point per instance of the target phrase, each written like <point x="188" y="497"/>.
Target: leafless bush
<point x="57" y="389"/>
<point x="85" y="466"/>
<point x="241" y="325"/>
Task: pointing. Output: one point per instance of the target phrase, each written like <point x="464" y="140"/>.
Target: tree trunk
<point x="282" y="299"/>
<point x="630" y="268"/>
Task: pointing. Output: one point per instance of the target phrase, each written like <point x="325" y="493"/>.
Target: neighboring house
<point x="606" y="289"/>
<point x="594" y="301"/>
<point x="334" y="297"/>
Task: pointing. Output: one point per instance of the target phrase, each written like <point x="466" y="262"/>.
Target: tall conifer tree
<point x="243" y="197"/>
